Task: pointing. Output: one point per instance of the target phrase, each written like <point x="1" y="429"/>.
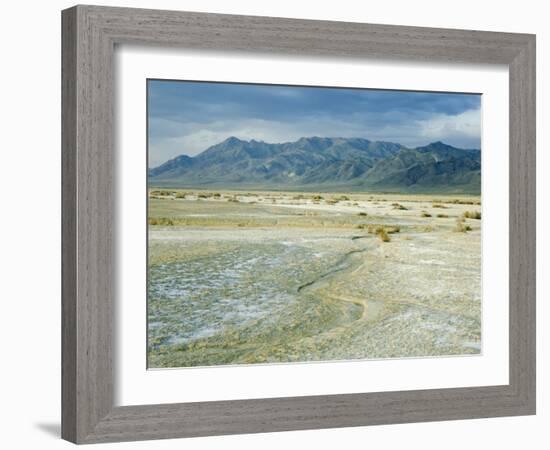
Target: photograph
<point x="275" y="225"/>
<point x="300" y="224"/>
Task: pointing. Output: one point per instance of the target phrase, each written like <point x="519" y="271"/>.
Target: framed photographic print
<point x="267" y="222"/>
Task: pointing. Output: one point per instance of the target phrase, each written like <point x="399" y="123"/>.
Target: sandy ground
<point x="239" y="278"/>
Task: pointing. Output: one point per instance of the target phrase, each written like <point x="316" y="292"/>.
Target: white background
<point x="134" y="385"/>
<point x="30" y="224"/>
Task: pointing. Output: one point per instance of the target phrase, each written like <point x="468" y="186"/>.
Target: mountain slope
<point x="427" y="168"/>
<point x="318" y="163"/>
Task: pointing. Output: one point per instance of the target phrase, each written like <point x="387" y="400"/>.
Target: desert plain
<point x="244" y="277"/>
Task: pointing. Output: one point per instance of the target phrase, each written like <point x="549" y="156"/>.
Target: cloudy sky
<point x="188" y="117"/>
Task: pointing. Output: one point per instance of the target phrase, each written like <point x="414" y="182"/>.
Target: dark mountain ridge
<point x="320" y="163"/>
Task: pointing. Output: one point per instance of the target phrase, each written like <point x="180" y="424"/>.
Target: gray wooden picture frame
<point x="90" y="34"/>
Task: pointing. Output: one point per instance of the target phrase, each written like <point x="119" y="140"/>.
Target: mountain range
<point x="323" y="163"/>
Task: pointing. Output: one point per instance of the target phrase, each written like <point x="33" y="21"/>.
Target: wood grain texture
<point x="87" y="208"/>
<point x="68" y="226"/>
<point x="522" y="224"/>
<point x="89" y="36"/>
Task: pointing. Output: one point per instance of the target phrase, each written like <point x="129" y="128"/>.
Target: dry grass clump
<point x="161" y="194"/>
<point x="317" y="198"/>
<point x="439" y="205"/>
<point x="461" y="226"/>
<point x="381" y="230"/>
<point x="425" y="214"/>
<point x="464" y="202"/>
<point x="363" y="214"/>
<point x="332" y="201"/>
<point x="180" y="194"/>
<point x="233" y="199"/>
<point x="472" y="215"/>
<point x="344" y="198"/>
<point x="164" y="221"/>
<point x="442" y="216"/>
<point x="383" y="235"/>
<point x="393" y="229"/>
<point x="399" y="206"/>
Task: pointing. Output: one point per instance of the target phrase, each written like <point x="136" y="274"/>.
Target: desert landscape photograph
<point x="294" y="224"/>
